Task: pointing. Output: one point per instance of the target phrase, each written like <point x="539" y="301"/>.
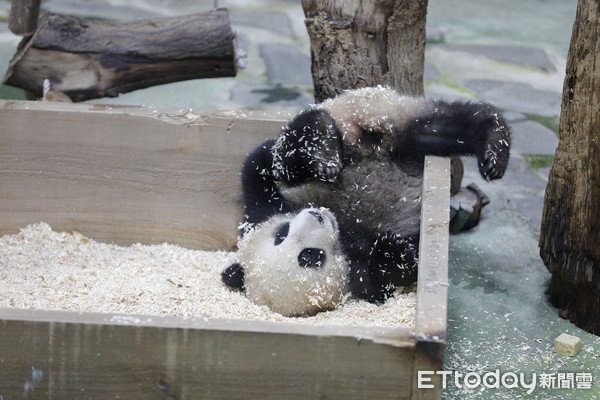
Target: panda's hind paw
<point x="494" y="160"/>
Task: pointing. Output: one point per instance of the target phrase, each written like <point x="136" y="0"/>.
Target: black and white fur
<point x="343" y="182"/>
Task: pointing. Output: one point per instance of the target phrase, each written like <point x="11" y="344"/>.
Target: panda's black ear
<point x="234" y="276"/>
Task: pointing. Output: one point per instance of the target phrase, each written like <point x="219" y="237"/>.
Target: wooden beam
<point x="87" y="59"/>
<point x="129" y="356"/>
<point x="432" y="283"/>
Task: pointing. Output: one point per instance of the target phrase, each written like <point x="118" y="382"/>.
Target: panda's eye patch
<point x="282" y="233"/>
<point x="311" y="258"/>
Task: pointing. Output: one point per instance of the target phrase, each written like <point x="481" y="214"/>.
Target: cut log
<point x="570" y="231"/>
<point x="87" y="59"/>
<point x="365" y="43"/>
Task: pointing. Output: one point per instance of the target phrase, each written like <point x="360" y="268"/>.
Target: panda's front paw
<point x="308" y="149"/>
<point x="493" y="160"/>
<point x="324" y="157"/>
<point x="328" y="171"/>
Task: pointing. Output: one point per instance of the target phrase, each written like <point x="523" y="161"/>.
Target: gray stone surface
<point x="8" y="46"/>
<point x="99" y="10"/>
<point x="544" y="172"/>
<point x="203" y="94"/>
<point x="269" y="97"/>
<point x="4" y="9"/>
<point x="529" y="137"/>
<point x="286" y="64"/>
<point x="513" y="117"/>
<point x="529" y="56"/>
<point x="435" y="33"/>
<point x="275" y="21"/>
<point x="520" y="191"/>
<point x="430" y="71"/>
<point x="517" y="97"/>
<point x="536" y="23"/>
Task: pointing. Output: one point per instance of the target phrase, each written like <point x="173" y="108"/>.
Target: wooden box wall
<point x="153" y="175"/>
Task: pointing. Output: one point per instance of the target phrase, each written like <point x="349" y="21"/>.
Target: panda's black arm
<point x="261" y="196"/>
<point x="458" y="128"/>
<point x="390" y="262"/>
<point x="309" y="149"/>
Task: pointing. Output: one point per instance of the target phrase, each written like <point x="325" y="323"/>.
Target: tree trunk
<point x="87" y="59"/>
<point x="365" y="43"/>
<point x="24" y="16"/>
<point x="570" y="232"/>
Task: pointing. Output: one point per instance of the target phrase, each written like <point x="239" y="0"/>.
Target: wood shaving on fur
<point x="46" y="270"/>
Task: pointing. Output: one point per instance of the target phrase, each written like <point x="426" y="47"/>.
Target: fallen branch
<point x="87" y="59"/>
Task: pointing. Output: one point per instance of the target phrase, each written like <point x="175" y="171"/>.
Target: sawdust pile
<point x="47" y="270"/>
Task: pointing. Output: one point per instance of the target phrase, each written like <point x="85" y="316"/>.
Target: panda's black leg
<point x="261" y="196"/>
<point x="362" y="285"/>
<point x="393" y="262"/>
<point x="308" y="149"/>
<point x="493" y="154"/>
<point x="459" y="128"/>
<point x="234" y="276"/>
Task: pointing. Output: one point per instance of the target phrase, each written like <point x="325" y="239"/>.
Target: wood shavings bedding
<point x="43" y="269"/>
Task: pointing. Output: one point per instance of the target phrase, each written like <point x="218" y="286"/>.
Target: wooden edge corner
<point x="397" y="337"/>
<point x="432" y="285"/>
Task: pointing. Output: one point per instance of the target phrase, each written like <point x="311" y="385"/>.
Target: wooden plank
<point x="105" y="356"/>
<point x="127" y="174"/>
<point x="138" y="174"/>
<point x="432" y="284"/>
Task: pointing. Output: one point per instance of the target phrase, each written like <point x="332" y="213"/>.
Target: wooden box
<point x="149" y="175"/>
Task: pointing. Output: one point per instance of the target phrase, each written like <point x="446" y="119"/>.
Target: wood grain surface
<point x="138" y="174"/>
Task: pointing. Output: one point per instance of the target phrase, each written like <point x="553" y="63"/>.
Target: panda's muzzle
<point x="312" y="257"/>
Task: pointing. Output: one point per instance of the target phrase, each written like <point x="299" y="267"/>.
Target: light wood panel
<point x="136" y="174"/>
<point x="127" y="174"/>
<point x="100" y="356"/>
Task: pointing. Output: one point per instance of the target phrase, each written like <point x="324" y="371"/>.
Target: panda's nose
<point x="318" y="216"/>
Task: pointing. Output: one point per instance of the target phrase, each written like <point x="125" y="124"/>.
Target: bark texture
<point x="365" y="43"/>
<point x="87" y="59"/>
<point x="570" y="232"/>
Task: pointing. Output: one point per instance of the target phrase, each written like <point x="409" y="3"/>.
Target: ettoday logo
<point x="508" y="380"/>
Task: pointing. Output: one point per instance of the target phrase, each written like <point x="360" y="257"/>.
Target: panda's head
<point x="292" y="263"/>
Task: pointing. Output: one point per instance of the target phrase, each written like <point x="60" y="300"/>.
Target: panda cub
<point x="332" y="205"/>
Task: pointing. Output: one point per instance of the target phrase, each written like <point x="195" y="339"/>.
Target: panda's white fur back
<point x="377" y="108"/>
